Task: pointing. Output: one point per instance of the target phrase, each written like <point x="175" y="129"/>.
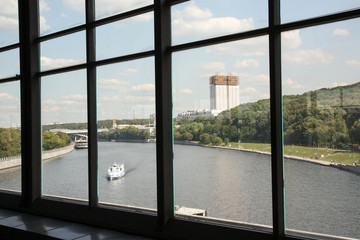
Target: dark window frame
<point x="161" y="223"/>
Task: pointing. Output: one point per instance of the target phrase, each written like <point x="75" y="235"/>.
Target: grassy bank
<point x="339" y="156"/>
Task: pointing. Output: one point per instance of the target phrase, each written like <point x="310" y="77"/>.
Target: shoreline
<point x="343" y="167"/>
<point x="15" y="161"/>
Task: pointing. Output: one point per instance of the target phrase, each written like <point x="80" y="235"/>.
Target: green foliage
<point x="53" y="141"/>
<point x="315" y="118"/>
<point x="205" y="139"/>
<point x="130" y="133"/>
<point x="10" y="142"/>
<point x="354" y="132"/>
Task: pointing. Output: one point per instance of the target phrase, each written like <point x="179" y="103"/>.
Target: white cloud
<point x="213" y="66"/>
<point x="108" y="7"/>
<point x="112" y="84"/>
<point x="9" y="7"/>
<point x="49" y="102"/>
<point x="44" y="7"/>
<point x="44" y="27"/>
<point x="335" y="84"/>
<point x="77" y="5"/>
<point x="144" y="87"/>
<point x="248" y="91"/>
<point x="353" y="63"/>
<point x="50" y="63"/>
<point x="7" y="98"/>
<point x="341" y="32"/>
<point x="139" y="99"/>
<point x="8" y="24"/>
<point x="186" y="91"/>
<point x="251" y="94"/>
<point x="128" y="72"/>
<point x="109" y="99"/>
<point x="76" y="97"/>
<point x="258" y="80"/>
<point x="291" y="84"/>
<point x="139" y="18"/>
<point x="193" y="21"/>
<point x="11" y="108"/>
<point x="291" y="39"/>
<point x="308" y="57"/>
<point x="249" y="63"/>
<point x="255" y="47"/>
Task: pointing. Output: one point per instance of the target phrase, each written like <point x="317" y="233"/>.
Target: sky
<point x="312" y="58"/>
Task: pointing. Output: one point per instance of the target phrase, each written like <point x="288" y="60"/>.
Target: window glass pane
<point x="200" y="19"/>
<point x="300" y="10"/>
<point x="9" y="62"/>
<point x="9" y="24"/>
<point x="60" y="15"/>
<point x="132" y="35"/>
<point x="64" y="119"/>
<point x="126" y="107"/>
<point x="106" y="8"/>
<point x="221" y="101"/>
<point x="10" y="136"/>
<point x="63" y="51"/>
<point x="321" y="129"/>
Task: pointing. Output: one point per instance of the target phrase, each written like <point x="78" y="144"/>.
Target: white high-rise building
<point x="224" y="92"/>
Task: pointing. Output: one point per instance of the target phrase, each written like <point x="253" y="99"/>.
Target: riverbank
<point x="15" y="161"/>
<point x="345" y="167"/>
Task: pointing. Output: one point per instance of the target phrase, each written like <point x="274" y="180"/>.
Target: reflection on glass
<point x="60" y="15"/>
<point x="127" y="36"/>
<point x="10" y="136"/>
<point x="106" y="8"/>
<point x="9" y="26"/>
<point x="9" y="62"/>
<point x="200" y="19"/>
<point x="300" y="10"/>
<point x="63" y="51"/>
<point x="221" y="101"/>
<point x="126" y="121"/>
<point x="64" y="119"/>
<point x="321" y="128"/>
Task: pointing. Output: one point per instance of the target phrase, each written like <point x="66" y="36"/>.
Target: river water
<point x="231" y="185"/>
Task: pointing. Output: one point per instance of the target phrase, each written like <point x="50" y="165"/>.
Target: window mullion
<point x="277" y="155"/>
<point x="91" y="103"/>
<point x="30" y="101"/>
<point x="164" y="138"/>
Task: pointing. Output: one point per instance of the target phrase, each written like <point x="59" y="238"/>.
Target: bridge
<point x="76" y="131"/>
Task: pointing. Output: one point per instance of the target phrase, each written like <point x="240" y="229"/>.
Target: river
<point x="231" y="185"/>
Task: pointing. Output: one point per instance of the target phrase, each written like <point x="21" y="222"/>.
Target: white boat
<point x="115" y="171"/>
<point x="81" y="142"/>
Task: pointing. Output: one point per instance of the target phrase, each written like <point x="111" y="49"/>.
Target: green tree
<point x="205" y="139"/>
<point x="354" y="132"/>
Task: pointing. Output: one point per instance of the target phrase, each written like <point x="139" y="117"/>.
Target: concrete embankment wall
<point x="15" y="161"/>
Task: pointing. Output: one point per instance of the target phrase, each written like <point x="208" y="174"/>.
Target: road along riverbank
<point x="15" y="161"/>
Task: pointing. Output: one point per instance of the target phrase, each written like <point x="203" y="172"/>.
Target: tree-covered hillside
<point x="321" y="118"/>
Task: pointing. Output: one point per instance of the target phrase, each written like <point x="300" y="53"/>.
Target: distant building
<point x="224" y="92"/>
<point x="192" y="114"/>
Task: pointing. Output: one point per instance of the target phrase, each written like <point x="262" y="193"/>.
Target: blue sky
<point x="323" y="56"/>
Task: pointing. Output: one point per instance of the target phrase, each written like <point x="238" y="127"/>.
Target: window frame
<point x="161" y="223"/>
